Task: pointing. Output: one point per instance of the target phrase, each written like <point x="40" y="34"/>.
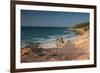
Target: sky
<point x="52" y="18"/>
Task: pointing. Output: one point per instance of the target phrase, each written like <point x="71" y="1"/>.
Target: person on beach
<point x="59" y="42"/>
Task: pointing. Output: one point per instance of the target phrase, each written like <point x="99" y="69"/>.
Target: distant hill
<point x="81" y="28"/>
<point x="85" y="24"/>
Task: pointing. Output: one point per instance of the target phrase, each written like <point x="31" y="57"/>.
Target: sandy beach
<point x="75" y="49"/>
<point x="78" y="47"/>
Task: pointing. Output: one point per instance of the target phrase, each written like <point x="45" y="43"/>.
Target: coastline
<point x="75" y="40"/>
<point x="73" y="49"/>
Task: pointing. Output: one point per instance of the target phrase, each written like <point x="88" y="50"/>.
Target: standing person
<point x="59" y="42"/>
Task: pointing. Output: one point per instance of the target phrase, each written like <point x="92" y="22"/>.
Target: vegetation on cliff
<point x="85" y="24"/>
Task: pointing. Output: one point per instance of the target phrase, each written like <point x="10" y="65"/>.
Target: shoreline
<point x="73" y="49"/>
<point x="51" y="44"/>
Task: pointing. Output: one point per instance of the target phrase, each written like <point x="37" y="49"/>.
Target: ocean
<point x="44" y="34"/>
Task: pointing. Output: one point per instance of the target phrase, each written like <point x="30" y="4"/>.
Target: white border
<point x="20" y="65"/>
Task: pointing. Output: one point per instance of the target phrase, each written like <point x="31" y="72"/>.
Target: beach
<point x="76" y="48"/>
